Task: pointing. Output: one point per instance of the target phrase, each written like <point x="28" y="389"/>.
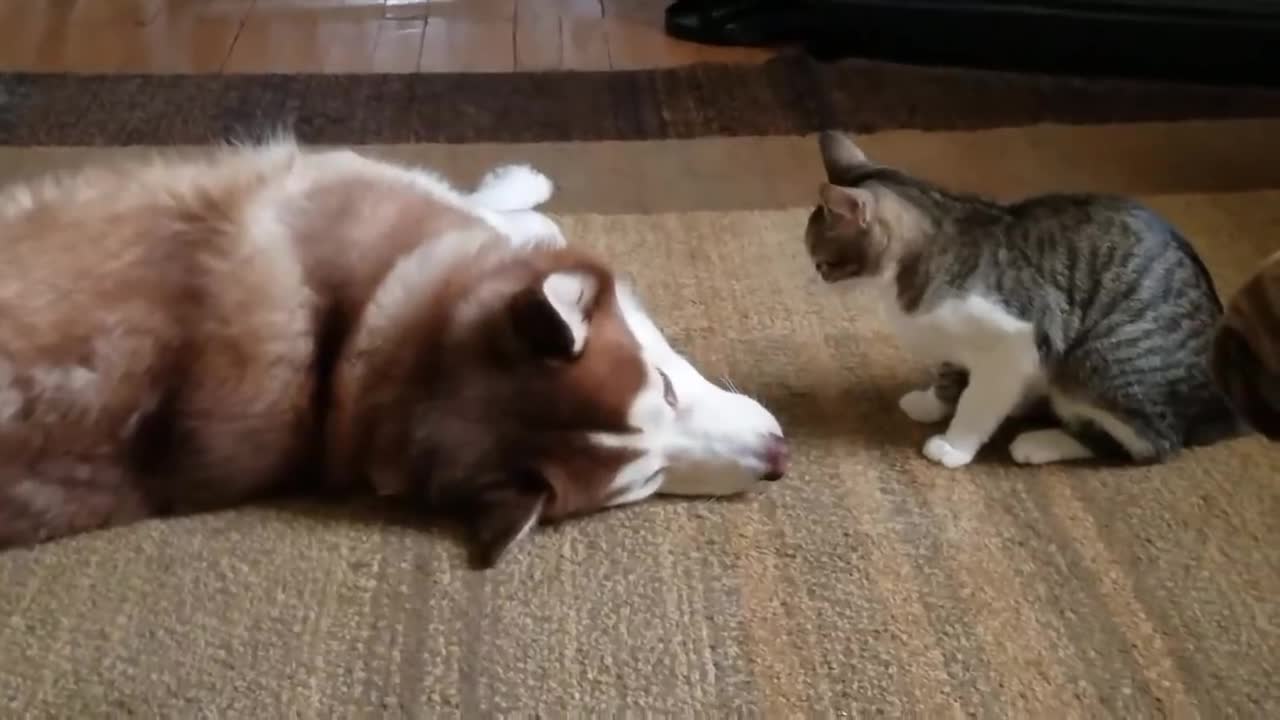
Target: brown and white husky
<point x="191" y="334"/>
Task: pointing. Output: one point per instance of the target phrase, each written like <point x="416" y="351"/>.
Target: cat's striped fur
<point x="1116" y="308"/>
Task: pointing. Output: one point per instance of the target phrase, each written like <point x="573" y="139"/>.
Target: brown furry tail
<point x="1251" y="390"/>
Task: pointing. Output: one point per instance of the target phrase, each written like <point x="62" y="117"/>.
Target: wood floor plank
<point x="236" y="10"/>
<point x="636" y="38"/>
<point x="584" y="43"/>
<point x="201" y="36"/>
<point x="451" y="45"/>
<point x="303" y="44"/>
<point x="100" y="11"/>
<point x="399" y="45"/>
<point x="181" y="45"/>
<point x="407" y="9"/>
<point x="19" y="32"/>
<point x="537" y="36"/>
<point x="80" y="47"/>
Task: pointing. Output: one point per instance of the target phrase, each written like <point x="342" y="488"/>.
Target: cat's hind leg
<point x="1110" y="429"/>
<point x="1112" y="405"/>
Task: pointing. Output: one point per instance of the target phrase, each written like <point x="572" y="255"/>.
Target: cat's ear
<point x="842" y="203"/>
<point x="839" y="153"/>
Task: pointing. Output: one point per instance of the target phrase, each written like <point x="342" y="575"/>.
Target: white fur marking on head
<point x="714" y="442"/>
<point x="637" y="480"/>
<point x="570" y="293"/>
<point x="513" y="187"/>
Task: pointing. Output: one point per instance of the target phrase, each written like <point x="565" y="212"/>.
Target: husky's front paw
<point x="941" y="451"/>
<point x="923" y="406"/>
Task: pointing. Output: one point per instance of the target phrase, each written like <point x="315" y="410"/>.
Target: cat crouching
<point x="1092" y="303"/>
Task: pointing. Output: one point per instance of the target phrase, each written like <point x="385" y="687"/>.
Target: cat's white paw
<point x="923" y="406"/>
<point x="1040" y="447"/>
<point x="940" y="450"/>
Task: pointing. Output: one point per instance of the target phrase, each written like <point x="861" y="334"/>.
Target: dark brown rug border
<point x="788" y="95"/>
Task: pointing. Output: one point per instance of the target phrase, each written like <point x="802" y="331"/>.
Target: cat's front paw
<point x="941" y="451"/>
<point x="923" y="406"/>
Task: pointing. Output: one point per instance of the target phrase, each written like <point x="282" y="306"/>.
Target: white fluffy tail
<point x="513" y="187"/>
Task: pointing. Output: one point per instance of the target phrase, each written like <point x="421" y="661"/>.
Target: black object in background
<point x="1213" y="41"/>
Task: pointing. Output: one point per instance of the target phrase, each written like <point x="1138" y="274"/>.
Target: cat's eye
<point x="668" y="390"/>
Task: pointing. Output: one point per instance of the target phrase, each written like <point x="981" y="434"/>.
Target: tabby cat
<point x="1245" y="360"/>
<point x="1093" y="303"/>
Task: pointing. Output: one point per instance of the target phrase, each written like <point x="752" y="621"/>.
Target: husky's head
<point x="515" y="387"/>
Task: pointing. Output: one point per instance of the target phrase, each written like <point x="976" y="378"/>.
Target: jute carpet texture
<point x="869" y="582"/>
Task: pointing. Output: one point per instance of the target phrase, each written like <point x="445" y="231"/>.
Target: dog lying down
<point x="185" y="335"/>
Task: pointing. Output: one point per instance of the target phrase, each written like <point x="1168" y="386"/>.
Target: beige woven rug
<point x="869" y="582"/>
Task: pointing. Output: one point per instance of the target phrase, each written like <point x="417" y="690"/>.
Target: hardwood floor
<point x="337" y="36"/>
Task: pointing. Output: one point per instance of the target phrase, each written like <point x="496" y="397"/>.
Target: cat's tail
<point x="511" y="188"/>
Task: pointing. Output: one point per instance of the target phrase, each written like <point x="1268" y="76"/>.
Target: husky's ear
<point x="498" y="512"/>
<point x="552" y="319"/>
<point x="847" y="204"/>
<point x="839" y="154"/>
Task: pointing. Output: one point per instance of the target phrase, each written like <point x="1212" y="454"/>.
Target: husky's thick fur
<point x="190" y="334"/>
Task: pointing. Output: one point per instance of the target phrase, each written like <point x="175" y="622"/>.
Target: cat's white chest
<point x="969" y="331"/>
